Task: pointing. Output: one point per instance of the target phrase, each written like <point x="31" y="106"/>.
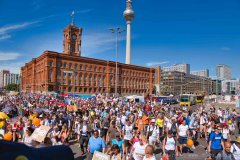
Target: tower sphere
<point x="128" y="13"/>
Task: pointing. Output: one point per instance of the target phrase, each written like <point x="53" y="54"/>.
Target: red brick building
<point x="69" y="72"/>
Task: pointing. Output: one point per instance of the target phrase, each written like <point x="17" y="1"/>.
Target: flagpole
<point x="72" y="17"/>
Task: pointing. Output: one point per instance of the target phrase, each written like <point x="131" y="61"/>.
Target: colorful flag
<point x="72" y="14"/>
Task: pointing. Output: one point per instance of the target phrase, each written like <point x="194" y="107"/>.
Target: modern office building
<point x="201" y="73"/>
<point x="174" y="82"/>
<point x="11" y="78"/>
<point x="185" y="68"/>
<point x="216" y="86"/>
<point x="223" y="71"/>
<point x="231" y="86"/>
<point x="2" y="73"/>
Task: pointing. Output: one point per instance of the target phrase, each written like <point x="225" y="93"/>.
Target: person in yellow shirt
<point x="160" y="124"/>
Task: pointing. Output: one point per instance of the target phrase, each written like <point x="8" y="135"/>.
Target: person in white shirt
<point x="170" y="146"/>
<point x="219" y="112"/>
<point x="127" y="131"/>
<point x="27" y="138"/>
<point x="149" y="153"/>
<point x="203" y="122"/>
<point x="54" y="135"/>
<point x="183" y="134"/>
<point x="226" y="133"/>
<point x="138" y="149"/>
<point x="153" y="133"/>
<point x="235" y="148"/>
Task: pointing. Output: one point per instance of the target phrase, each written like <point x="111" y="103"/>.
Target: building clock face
<point x="74" y="37"/>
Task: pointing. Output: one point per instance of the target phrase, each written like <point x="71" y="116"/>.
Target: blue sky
<point x="202" y="33"/>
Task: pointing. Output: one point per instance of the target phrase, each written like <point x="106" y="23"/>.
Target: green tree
<point x="12" y="87"/>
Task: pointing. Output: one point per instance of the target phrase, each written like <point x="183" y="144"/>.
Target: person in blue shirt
<point x="118" y="141"/>
<point x="104" y="113"/>
<point x="95" y="143"/>
<point x="216" y="144"/>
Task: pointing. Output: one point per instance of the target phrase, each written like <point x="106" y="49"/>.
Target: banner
<point x="100" y="156"/>
<point x="40" y="133"/>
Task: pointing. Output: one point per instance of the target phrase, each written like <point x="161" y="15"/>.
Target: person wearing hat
<point x="172" y="126"/>
<point x="216" y="144"/>
<point x="226" y="132"/>
<point x="153" y="132"/>
<point x="235" y="148"/>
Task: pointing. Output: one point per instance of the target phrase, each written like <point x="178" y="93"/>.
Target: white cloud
<point x="6" y="30"/>
<point x="5" y="56"/>
<point x="98" y="42"/>
<point x="84" y="11"/>
<point x="149" y="64"/>
<point x="4" y="36"/>
<point x="225" y="49"/>
<point x="93" y="42"/>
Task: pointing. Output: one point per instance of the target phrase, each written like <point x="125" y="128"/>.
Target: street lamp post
<point x="117" y="31"/>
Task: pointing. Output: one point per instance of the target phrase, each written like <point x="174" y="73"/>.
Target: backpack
<point x="174" y="127"/>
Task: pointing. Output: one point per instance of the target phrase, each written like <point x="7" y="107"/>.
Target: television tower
<point x="128" y="15"/>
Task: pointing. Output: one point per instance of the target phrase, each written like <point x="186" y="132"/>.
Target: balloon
<point x="21" y="157"/>
<point x="2" y="123"/>
<point x="164" y="157"/>
<point x="3" y="115"/>
<point x="8" y="137"/>
<point x="36" y="122"/>
<point x="31" y="117"/>
<point x="190" y="143"/>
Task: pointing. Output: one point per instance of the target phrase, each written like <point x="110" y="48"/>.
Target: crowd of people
<point x="122" y="129"/>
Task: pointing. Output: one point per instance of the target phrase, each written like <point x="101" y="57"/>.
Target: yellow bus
<point x="187" y="99"/>
<point x="200" y="99"/>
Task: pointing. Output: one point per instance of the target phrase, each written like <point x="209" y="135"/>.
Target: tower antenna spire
<point x="72" y="14"/>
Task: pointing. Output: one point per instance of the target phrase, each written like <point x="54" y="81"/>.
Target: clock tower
<point x="72" y="40"/>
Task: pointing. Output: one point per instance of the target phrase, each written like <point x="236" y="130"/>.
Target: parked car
<point x="174" y="101"/>
<point x="165" y="101"/>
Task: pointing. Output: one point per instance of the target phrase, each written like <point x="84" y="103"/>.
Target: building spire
<point x="72" y="14"/>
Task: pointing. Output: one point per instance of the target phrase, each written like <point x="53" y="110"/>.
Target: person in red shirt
<point x="20" y="126"/>
<point x="147" y="108"/>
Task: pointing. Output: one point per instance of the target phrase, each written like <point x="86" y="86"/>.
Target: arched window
<point x="70" y="65"/>
<point x="85" y="67"/>
<point x="75" y="66"/>
<point x="85" y="79"/>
